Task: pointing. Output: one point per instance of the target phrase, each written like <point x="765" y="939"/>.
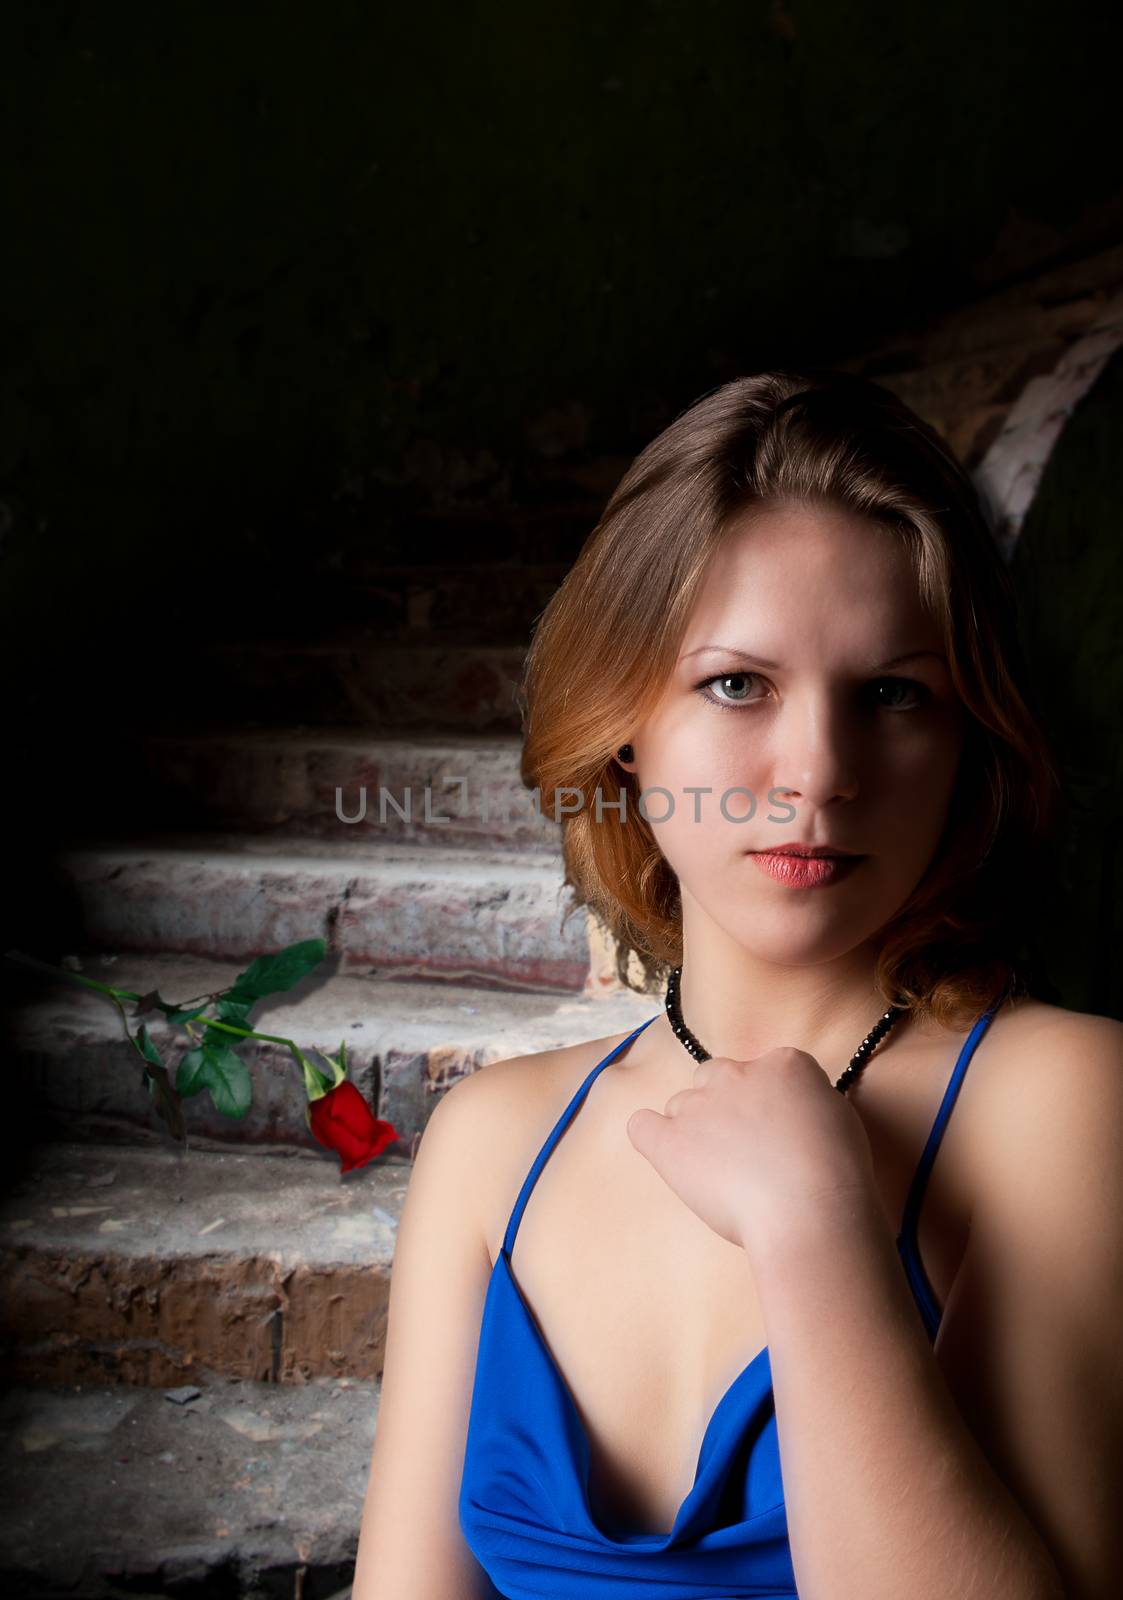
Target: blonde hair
<point x="605" y="645"/>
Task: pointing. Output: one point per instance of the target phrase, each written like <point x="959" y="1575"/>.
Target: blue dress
<point x="524" y="1506"/>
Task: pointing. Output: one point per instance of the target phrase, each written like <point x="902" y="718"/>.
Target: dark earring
<point x="625" y="753"/>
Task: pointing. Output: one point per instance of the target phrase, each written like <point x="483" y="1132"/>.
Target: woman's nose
<point x="816" y="751"/>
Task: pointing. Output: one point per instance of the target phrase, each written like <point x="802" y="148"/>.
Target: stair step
<point x="150" y="1266"/>
<point x="246" y="1489"/>
<point x="303" y="780"/>
<point x="72" y="1073"/>
<point x="487" y="916"/>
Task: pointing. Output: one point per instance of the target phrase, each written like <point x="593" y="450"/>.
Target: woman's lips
<point x="806" y="872"/>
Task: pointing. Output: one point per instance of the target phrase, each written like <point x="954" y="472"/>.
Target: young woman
<point x="730" y="1353"/>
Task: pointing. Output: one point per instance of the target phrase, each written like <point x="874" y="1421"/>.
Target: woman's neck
<point x="738" y="1006"/>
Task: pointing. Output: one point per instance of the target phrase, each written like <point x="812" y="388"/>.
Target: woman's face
<point x="810" y="667"/>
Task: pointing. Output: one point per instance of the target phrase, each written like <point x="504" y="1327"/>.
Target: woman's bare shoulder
<point x="1052" y="1080"/>
<point x="507" y="1107"/>
<point x="524" y="1084"/>
<point x="1033" y="1036"/>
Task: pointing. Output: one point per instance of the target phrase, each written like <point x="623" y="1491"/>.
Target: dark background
<point x="326" y="329"/>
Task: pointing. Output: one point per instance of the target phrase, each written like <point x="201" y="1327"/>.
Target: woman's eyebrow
<point x="760" y="661"/>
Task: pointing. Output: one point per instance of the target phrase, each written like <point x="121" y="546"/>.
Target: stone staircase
<point x="206" y="1328"/>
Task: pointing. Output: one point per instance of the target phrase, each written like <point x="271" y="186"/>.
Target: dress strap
<point x="558" y="1129"/>
<point x="907" y="1238"/>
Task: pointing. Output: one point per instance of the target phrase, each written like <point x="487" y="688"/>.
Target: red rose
<point x="342" y="1120"/>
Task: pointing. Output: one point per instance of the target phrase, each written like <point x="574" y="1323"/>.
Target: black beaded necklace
<point x="857" y="1061"/>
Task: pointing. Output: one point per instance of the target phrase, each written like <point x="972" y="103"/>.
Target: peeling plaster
<point x="1010" y="472"/>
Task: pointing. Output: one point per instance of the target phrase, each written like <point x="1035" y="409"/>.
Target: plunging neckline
<point x="660" y="1540"/>
<point x="655" y="1540"/>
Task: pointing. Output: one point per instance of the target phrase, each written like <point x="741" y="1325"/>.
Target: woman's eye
<point x="739" y="695"/>
<point x="919" y="691"/>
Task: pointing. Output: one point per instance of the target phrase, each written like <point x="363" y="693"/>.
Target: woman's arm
<point x="410" y="1543"/>
<point x="995" y="1470"/>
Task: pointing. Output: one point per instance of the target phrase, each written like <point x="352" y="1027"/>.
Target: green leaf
<point x="227" y="1077"/>
<point x="272" y="973"/>
<point x="235" y="1011"/>
<point x="189" y="1075"/>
